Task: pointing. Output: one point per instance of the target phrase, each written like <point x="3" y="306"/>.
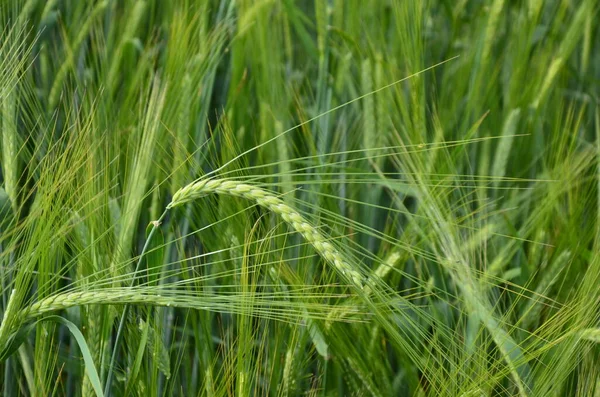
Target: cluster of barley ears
<point x="285" y="198"/>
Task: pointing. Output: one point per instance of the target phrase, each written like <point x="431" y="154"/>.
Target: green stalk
<point x="155" y="226"/>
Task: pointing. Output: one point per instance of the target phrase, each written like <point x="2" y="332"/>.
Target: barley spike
<point x="268" y="200"/>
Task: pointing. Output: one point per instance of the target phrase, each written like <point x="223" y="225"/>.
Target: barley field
<point x="300" y="197"/>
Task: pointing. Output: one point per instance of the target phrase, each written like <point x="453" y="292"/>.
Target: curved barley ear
<point x="269" y="201"/>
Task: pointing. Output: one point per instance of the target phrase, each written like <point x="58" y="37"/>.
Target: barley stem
<point x="155" y="226"/>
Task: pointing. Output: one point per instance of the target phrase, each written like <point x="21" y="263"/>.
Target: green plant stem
<point x="155" y="226"/>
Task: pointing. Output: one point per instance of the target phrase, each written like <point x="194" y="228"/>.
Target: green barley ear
<point x="73" y="51"/>
<point x="322" y="17"/>
<point x="389" y="263"/>
<point x="383" y="104"/>
<point x="550" y="276"/>
<point x="10" y="146"/>
<point x="135" y="17"/>
<point x="8" y="320"/>
<point x="285" y="175"/>
<point x="504" y="146"/>
<point x="269" y="201"/>
<point x="568" y="44"/>
<point x="288" y="380"/>
<point x="139" y="175"/>
<point x="157" y="349"/>
<point x="370" y="134"/>
<point x="590" y="334"/>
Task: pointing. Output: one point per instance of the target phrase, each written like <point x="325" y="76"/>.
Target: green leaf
<point x="19" y="337"/>
<point x="85" y="352"/>
<point x="318" y="339"/>
<point x="154" y="253"/>
<point x="16" y="340"/>
<point x="504" y="147"/>
<point x="140" y="351"/>
<point x="115" y="215"/>
<point x="158" y="351"/>
<point x="6" y="213"/>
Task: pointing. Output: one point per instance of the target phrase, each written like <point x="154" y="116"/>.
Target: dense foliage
<point x="285" y="197"/>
